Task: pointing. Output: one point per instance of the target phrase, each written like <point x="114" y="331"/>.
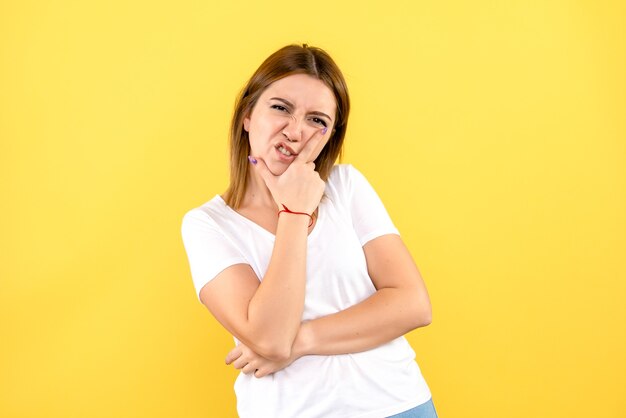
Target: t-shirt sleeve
<point x="208" y="250"/>
<point x="369" y="216"/>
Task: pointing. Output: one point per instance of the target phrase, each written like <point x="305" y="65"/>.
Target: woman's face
<point x="286" y="116"/>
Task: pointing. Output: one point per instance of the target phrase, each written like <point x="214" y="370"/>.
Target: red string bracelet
<point x="286" y="209"/>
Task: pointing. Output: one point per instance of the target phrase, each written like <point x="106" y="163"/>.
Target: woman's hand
<point x="246" y="360"/>
<point x="300" y="187"/>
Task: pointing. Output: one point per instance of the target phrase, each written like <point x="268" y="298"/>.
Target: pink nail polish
<point x="324" y="131"/>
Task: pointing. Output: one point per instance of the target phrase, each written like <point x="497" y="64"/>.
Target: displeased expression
<point x="289" y="113"/>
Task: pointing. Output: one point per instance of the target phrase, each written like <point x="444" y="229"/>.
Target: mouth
<point x="285" y="150"/>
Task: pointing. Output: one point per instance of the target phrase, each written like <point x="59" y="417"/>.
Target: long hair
<point x="291" y="59"/>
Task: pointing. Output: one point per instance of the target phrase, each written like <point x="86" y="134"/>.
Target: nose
<point x="293" y="129"/>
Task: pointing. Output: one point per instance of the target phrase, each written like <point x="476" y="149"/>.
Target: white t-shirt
<point x="372" y="384"/>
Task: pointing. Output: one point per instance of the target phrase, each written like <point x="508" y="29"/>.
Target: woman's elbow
<point x="422" y="316"/>
<point x="424" y="308"/>
<point x="426" y="317"/>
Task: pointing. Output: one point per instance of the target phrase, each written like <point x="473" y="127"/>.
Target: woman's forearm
<point x="400" y="304"/>
<point x="387" y="314"/>
<point x="275" y="310"/>
<point x="384" y="316"/>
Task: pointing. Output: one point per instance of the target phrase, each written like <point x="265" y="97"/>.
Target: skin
<point x="265" y="316"/>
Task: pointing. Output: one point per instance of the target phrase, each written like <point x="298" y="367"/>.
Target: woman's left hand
<point x="246" y="360"/>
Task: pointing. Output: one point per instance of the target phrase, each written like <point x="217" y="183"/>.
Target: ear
<point x="246" y="124"/>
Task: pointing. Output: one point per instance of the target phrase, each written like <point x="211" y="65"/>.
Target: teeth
<point x="284" y="151"/>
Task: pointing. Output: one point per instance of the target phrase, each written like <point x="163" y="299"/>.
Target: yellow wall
<point x="495" y="132"/>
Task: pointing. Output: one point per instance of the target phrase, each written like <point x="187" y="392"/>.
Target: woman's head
<point x="317" y="73"/>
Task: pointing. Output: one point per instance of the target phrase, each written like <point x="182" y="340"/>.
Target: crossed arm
<point x="399" y="305"/>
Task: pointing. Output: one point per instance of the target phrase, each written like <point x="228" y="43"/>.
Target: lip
<point x="287" y="147"/>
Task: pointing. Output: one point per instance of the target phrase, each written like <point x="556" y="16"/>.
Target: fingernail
<point x="324" y="131"/>
<point x="251" y="159"/>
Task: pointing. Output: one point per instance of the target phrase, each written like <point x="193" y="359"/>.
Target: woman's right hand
<point x="300" y="187"/>
<point x="243" y="358"/>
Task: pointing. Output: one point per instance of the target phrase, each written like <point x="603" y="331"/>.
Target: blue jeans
<point x="425" y="410"/>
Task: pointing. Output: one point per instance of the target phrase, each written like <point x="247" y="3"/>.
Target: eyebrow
<point x="315" y="112"/>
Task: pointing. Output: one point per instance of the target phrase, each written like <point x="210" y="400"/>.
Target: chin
<point x="277" y="169"/>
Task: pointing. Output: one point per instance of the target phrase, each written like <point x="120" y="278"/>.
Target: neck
<point x="257" y="193"/>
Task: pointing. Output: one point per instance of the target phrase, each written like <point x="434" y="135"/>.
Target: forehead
<point x="304" y="91"/>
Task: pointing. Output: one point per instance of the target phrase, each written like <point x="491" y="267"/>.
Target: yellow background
<point x="495" y="133"/>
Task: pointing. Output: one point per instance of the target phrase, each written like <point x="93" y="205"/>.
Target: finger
<point x="248" y="369"/>
<point x="233" y="355"/>
<point x="259" y="373"/>
<point x="309" y="149"/>
<point x="240" y="363"/>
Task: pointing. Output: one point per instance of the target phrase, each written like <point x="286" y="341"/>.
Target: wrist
<point x="289" y="221"/>
<point x="288" y="211"/>
<point x="305" y="342"/>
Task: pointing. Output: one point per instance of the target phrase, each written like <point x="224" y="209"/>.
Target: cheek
<point x="260" y="137"/>
<point x="320" y="149"/>
<point x="263" y="125"/>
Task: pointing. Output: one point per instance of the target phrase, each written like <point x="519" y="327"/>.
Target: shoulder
<point x="341" y="175"/>
<point x="340" y="171"/>
<point x="345" y="178"/>
<point x="206" y="216"/>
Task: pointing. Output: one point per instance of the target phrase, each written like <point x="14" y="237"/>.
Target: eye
<point x="319" y="121"/>
<point x="279" y="107"/>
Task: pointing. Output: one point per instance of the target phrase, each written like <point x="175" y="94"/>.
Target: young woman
<point x="300" y="261"/>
